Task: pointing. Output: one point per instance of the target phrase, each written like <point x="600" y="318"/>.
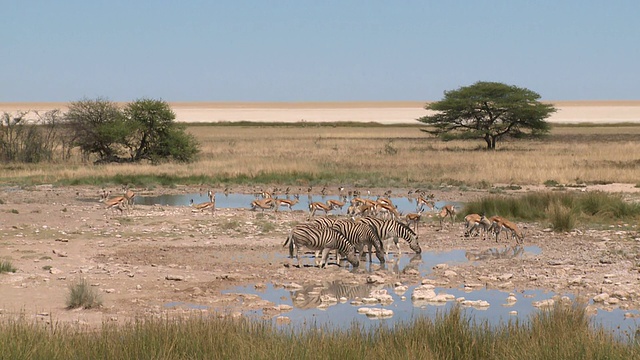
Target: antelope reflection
<point x="508" y="252"/>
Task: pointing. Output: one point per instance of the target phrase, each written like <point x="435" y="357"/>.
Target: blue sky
<point x="315" y="50"/>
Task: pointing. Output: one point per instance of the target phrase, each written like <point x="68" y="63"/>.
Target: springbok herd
<point x="369" y="222"/>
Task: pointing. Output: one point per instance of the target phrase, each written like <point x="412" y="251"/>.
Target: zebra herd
<point x="347" y="236"/>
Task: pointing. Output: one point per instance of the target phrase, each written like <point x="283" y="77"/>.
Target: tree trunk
<point x="491" y="141"/>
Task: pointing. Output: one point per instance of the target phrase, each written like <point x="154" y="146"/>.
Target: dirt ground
<point x="154" y="255"/>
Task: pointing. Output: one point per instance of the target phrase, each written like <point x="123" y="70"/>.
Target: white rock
<point x="601" y="297"/>
<point x="475" y="303"/>
<point x="422" y="293"/>
<point x="543" y="303"/>
<point x="450" y="273"/>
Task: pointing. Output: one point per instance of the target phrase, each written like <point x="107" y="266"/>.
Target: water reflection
<point x="237" y="200"/>
<point x="507" y="252"/>
<point x="327" y="293"/>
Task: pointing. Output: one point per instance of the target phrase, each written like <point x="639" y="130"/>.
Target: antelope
<point x="104" y="195"/>
<point x="262" y="204"/>
<point x="203" y="206"/>
<point x="118" y="202"/>
<point x="475" y="222"/>
<point x="414" y="218"/>
<point x="129" y="195"/>
<point x="447" y="211"/>
<point x="335" y="204"/>
<point x="384" y="201"/>
<point x="364" y="209"/>
<point x="502" y="223"/>
<point x="421" y="202"/>
<point x="357" y="201"/>
<point x="285" y="203"/>
<point x="387" y="209"/>
<point x="315" y="206"/>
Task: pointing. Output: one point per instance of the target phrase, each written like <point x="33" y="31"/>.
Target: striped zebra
<point x="320" y="238"/>
<point x="393" y="228"/>
<point x="357" y="233"/>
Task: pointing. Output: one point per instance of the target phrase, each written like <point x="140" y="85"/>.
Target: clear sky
<point x="319" y="50"/>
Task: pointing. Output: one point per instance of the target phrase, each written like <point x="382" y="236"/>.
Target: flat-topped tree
<point x="488" y="111"/>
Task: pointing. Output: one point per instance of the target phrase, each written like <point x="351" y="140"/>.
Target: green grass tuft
<point x="6" y="266"/>
<point x="81" y="294"/>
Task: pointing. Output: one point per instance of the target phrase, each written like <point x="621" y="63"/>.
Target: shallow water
<point x="309" y="309"/>
<point x="236" y="201"/>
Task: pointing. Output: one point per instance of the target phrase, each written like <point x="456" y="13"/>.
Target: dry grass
<point x="390" y="155"/>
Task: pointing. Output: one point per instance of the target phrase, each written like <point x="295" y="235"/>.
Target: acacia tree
<point x="154" y="135"/>
<point x="142" y="130"/>
<point x="98" y="128"/>
<point x="488" y="111"/>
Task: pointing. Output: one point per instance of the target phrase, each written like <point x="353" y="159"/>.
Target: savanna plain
<point x="56" y="234"/>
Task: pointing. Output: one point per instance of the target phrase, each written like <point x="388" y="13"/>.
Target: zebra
<point x="359" y="234"/>
<point x="320" y="238"/>
<point x="393" y="228"/>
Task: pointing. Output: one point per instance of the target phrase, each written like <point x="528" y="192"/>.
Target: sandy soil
<point x="160" y="254"/>
<point x="381" y="112"/>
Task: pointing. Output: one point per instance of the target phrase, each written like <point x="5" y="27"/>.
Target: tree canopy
<point x="144" y="130"/>
<point x="488" y="111"/>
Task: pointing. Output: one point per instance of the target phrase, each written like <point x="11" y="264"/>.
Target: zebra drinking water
<point x="322" y="238"/>
<point x="393" y="228"/>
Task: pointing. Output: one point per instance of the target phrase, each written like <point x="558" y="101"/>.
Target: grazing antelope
<point x="496" y="225"/>
<point x="364" y="210"/>
<point x="475" y="223"/>
<point x="447" y="211"/>
<point x="512" y="228"/>
<point x="285" y="203"/>
<point x="315" y="206"/>
<point x="263" y="204"/>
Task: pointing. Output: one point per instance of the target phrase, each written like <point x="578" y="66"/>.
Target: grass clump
<point x="561" y="217"/>
<point x="563" y="210"/>
<point x="81" y="294"/>
<point x="7" y="267"/>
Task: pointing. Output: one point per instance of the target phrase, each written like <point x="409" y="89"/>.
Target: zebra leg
<point x="395" y="240"/>
<point x="317" y="258"/>
<point x="325" y="255"/>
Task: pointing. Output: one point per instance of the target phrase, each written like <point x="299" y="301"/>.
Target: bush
<point x="82" y="295"/>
